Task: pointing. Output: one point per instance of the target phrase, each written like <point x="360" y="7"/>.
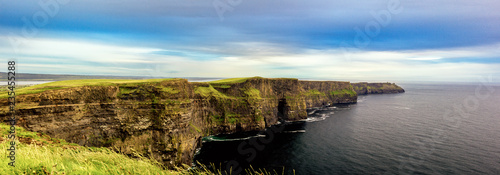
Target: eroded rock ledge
<point x="167" y="119"/>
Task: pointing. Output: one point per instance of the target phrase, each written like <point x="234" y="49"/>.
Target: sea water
<point x="430" y="129"/>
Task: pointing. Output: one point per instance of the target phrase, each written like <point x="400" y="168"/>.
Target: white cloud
<point x="73" y="49"/>
<point x="424" y="58"/>
<point x="45" y="55"/>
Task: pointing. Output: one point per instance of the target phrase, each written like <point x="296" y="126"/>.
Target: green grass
<point x="33" y="159"/>
<point x="232" y="118"/>
<point x="231" y="80"/>
<point x="314" y="92"/>
<point x="253" y="93"/>
<point x="243" y="79"/>
<point x="343" y="92"/>
<point x="224" y="86"/>
<point x="76" y="83"/>
<point x="125" y="90"/>
<point x="259" y="118"/>
<point x="5" y="87"/>
<point x="56" y="156"/>
<point x="169" y="90"/>
<point x="210" y="91"/>
<point x="217" y="119"/>
<point x="227" y="118"/>
<point x="195" y="128"/>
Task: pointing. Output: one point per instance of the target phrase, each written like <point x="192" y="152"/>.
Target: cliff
<point x="166" y="119"/>
<point x="364" y="88"/>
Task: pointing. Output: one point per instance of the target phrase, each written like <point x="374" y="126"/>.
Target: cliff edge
<point x="166" y="118"/>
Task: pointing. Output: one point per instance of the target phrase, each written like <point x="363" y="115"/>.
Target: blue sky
<point x="365" y="40"/>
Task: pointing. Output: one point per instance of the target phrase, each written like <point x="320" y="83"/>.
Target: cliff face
<point x="364" y="88"/>
<point x="167" y="119"/>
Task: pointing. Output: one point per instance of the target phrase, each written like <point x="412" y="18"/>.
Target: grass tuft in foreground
<point x="40" y="154"/>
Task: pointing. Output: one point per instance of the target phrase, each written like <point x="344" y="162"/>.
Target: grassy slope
<point x="343" y="92"/>
<point x="40" y="154"/>
<point x="230" y="80"/>
<point x="74" y="83"/>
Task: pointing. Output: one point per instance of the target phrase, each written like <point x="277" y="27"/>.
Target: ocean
<point x="430" y="129"/>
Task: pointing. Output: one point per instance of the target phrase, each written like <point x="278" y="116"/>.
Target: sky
<point x="363" y="40"/>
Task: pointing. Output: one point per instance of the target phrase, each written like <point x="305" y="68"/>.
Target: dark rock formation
<point x="364" y="88"/>
<point x="166" y="120"/>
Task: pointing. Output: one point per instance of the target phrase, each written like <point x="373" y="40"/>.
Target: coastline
<point x="169" y="115"/>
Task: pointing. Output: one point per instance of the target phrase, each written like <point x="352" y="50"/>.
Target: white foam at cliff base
<point x="212" y="138"/>
<point x="297" y="131"/>
<point x="312" y="112"/>
<point x="315" y="119"/>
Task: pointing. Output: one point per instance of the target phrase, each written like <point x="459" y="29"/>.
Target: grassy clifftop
<point x="77" y="83"/>
<point x="165" y="119"/>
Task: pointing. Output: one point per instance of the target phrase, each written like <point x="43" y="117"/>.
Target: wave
<point x="321" y="117"/>
<point x="296" y="131"/>
<point x="197" y="151"/>
<point x="314" y="110"/>
<point x="220" y="139"/>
